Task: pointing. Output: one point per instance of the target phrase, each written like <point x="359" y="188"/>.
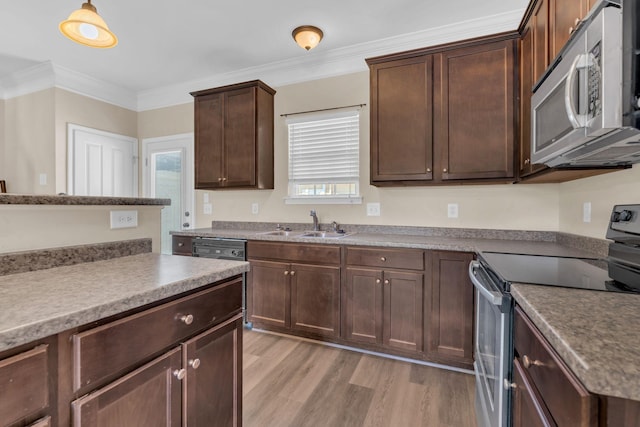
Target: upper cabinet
<point x="234" y="136"/>
<point x="565" y="17"/>
<point x="444" y="114"/>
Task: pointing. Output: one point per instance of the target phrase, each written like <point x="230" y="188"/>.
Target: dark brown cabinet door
<point x="315" y="299"/>
<point x="401" y="120"/>
<point x="449" y="326"/>
<point x="209" y="134"/>
<point x="539" y="27"/>
<point x="234" y="136"/>
<point x="403" y="310"/>
<point x="363" y="305"/>
<point x="181" y="245"/>
<point x="213" y="383"/>
<point x="269" y="293"/>
<point x="565" y="16"/>
<point x="474" y="111"/>
<point x="150" y="396"/>
<point x="528" y="408"/>
<point x="239" y="148"/>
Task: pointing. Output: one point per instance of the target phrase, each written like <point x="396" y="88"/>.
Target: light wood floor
<point x="297" y="383"/>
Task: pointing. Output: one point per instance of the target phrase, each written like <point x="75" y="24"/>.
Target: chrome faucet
<point x="315" y="220"/>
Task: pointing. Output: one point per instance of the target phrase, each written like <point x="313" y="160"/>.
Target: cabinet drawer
<point x="566" y="398"/>
<point x="24" y="385"/>
<point x="386" y="258"/>
<point x="181" y="245"/>
<point x="118" y="346"/>
<point x="293" y="252"/>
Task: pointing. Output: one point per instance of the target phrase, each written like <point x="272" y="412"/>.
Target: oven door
<point x="493" y="349"/>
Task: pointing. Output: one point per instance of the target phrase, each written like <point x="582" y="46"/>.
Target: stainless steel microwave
<point x="585" y="109"/>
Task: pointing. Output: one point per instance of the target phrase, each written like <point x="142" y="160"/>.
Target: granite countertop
<point x="34" y="305"/>
<point x="464" y="242"/>
<point x="52" y="199"/>
<point x="596" y="333"/>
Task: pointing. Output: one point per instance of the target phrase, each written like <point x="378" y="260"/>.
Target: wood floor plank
<point x="299" y="383"/>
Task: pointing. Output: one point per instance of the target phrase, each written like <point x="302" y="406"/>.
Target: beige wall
<point x="2" y="132"/>
<point x="30" y="143"/>
<point x="165" y="121"/>
<point x="56" y="226"/>
<point x="81" y="110"/>
<point x="604" y="191"/>
<point x="494" y="206"/>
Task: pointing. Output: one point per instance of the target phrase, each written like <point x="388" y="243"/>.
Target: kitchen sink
<point x="284" y="233"/>
<point x="324" y="234"/>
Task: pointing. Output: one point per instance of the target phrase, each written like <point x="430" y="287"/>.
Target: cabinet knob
<point x="527" y="161"/>
<point x="576" y="22"/>
<point x="220" y="179"/>
<point x="428" y="169"/>
<point x="180" y="373"/>
<point x="386" y="282"/>
<point x="377" y="280"/>
<point x="224" y="179"/>
<point x="571" y="29"/>
<point x="383" y="259"/>
<point x="286" y="272"/>
<point x="293" y="273"/>
<point x="187" y="319"/>
<point x="507" y="385"/>
<point x="527" y="362"/>
<point x="444" y="170"/>
<point x="180" y="244"/>
<point x="194" y="363"/>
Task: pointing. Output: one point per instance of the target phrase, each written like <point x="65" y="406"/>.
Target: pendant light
<point x="307" y="36"/>
<point x="86" y="27"/>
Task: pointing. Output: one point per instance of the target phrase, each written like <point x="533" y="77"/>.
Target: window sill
<point x="356" y="200"/>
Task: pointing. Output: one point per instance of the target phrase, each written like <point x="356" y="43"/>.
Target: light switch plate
<point x="586" y="212"/>
<point x="255" y="208"/>
<point x="124" y="219"/>
<point x="207" y="208"/>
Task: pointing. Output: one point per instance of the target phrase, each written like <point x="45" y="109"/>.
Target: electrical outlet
<point x="452" y="210"/>
<point x="373" y="209"/>
<point x="207" y="208"/>
<point x="124" y="219"/>
<point x="205" y="198"/>
<point x="586" y="212"/>
<point x="255" y="208"/>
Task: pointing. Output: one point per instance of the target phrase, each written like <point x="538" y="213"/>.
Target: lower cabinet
<point x="450" y="309"/>
<point x="294" y="287"/>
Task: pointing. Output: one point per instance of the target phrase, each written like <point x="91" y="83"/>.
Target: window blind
<point x="324" y="149"/>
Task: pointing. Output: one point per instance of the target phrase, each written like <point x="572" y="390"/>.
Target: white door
<point x="168" y="174"/>
<point x="101" y="163"/>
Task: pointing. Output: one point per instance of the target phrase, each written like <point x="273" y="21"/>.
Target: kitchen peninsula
<point x="88" y="330"/>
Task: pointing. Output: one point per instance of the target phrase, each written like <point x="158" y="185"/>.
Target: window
<point x="324" y="158"/>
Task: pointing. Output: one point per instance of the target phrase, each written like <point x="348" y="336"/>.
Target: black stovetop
<point x="578" y="273"/>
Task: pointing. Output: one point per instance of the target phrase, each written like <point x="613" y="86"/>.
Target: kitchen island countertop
<point x="597" y="334"/>
<point x="34" y="305"/>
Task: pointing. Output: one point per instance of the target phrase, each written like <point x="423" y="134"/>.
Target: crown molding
<point x="318" y="64"/>
<point x="315" y="65"/>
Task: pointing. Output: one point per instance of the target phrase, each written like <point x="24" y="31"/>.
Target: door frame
<point x="72" y="128"/>
<point x="188" y="165"/>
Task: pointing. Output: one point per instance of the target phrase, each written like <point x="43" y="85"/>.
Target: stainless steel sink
<point x="285" y="233"/>
<point x="324" y="234"/>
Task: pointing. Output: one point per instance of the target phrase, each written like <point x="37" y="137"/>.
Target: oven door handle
<point x="494" y="297"/>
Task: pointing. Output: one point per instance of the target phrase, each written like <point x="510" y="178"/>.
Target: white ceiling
<point x="167" y="45"/>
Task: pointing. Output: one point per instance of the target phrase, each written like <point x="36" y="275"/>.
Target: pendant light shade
<point x="86" y="27"/>
<point x="307" y="36"/>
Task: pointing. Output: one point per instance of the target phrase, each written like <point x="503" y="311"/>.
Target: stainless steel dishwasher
<point x="222" y="248"/>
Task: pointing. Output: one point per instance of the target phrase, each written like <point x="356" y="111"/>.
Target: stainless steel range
<point x="492" y="275"/>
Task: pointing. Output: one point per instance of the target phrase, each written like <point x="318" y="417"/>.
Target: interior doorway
<point x="168" y="173"/>
<point x="101" y="163"/>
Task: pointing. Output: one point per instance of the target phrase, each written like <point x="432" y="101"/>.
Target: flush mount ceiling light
<point x="307" y="36"/>
<point x="86" y="27"/>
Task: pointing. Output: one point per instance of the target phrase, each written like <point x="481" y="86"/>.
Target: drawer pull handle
<point x="187" y="319"/>
<point x="383" y="259"/>
<point x="507" y="385"/>
<point x="286" y="272"/>
<point x="194" y="363"/>
<point x="527" y="362"/>
<point x="180" y="373"/>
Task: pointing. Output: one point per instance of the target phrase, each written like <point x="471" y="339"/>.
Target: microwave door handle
<point x="494" y="297"/>
<point x="569" y="104"/>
